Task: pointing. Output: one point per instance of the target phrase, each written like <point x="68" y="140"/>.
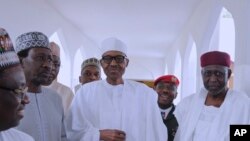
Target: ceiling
<point x="148" y="27"/>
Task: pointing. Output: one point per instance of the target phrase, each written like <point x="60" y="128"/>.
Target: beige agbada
<point x="65" y="92"/>
<point x="62" y="90"/>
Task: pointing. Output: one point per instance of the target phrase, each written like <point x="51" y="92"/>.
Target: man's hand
<point x="112" y="135"/>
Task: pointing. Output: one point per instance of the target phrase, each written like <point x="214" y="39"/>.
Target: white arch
<point x="227" y="33"/>
<point x="177" y="73"/>
<point x="78" y="58"/>
<point x="189" y="71"/>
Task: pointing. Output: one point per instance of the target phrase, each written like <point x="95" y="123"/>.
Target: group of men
<point x="112" y="109"/>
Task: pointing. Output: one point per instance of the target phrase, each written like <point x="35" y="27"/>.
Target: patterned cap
<point x="31" y="40"/>
<point x="8" y="55"/>
<point x="113" y="44"/>
<point x="91" y="62"/>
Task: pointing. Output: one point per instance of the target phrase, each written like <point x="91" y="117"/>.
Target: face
<point x="167" y="92"/>
<point x="114" y="64"/>
<point x="12" y="97"/>
<point x="56" y="63"/>
<point x="215" y="79"/>
<point x="89" y="74"/>
<point x="37" y="66"/>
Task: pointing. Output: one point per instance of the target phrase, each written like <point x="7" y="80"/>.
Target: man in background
<point x="13" y="90"/>
<point x="90" y="71"/>
<point x="65" y="92"/>
<point x="166" y="88"/>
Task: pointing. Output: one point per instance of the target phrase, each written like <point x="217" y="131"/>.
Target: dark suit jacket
<point x="171" y="123"/>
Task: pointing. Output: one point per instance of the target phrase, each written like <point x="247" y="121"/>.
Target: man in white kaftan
<point x="44" y="116"/>
<point x="130" y="107"/>
<point x="234" y="110"/>
<point x="14" y="135"/>
<point x="115" y="108"/>
<point x="207" y="115"/>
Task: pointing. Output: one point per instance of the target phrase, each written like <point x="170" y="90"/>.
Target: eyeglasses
<point x="19" y="93"/>
<point x="118" y="59"/>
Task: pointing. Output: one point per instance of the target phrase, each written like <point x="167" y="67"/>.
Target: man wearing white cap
<point x="115" y="109"/>
<point x="44" y="115"/>
<point x="65" y="92"/>
<point x="13" y="96"/>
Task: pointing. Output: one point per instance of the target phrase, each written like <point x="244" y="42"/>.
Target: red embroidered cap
<point x="168" y="78"/>
<point x="215" y="58"/>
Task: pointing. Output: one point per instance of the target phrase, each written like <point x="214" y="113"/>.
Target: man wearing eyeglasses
<point x="166" y="88"/>
<point x="13" y="90"/>
<point x="207" y="115"/>
<point x="115" y="109"/>
<point x="44" y="115"/>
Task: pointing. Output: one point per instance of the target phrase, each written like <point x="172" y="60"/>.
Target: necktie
<point x="163" y="115"/>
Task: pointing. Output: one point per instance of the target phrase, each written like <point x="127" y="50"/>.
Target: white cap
<point x="113" y="44"/>
<point x="55" y="49"/>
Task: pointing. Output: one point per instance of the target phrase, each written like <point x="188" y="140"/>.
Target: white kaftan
<point x="43" y="116"/>
<point x="14" y="135"/>
<point x="131" y="107"/>
<point x="234" y="110"/>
